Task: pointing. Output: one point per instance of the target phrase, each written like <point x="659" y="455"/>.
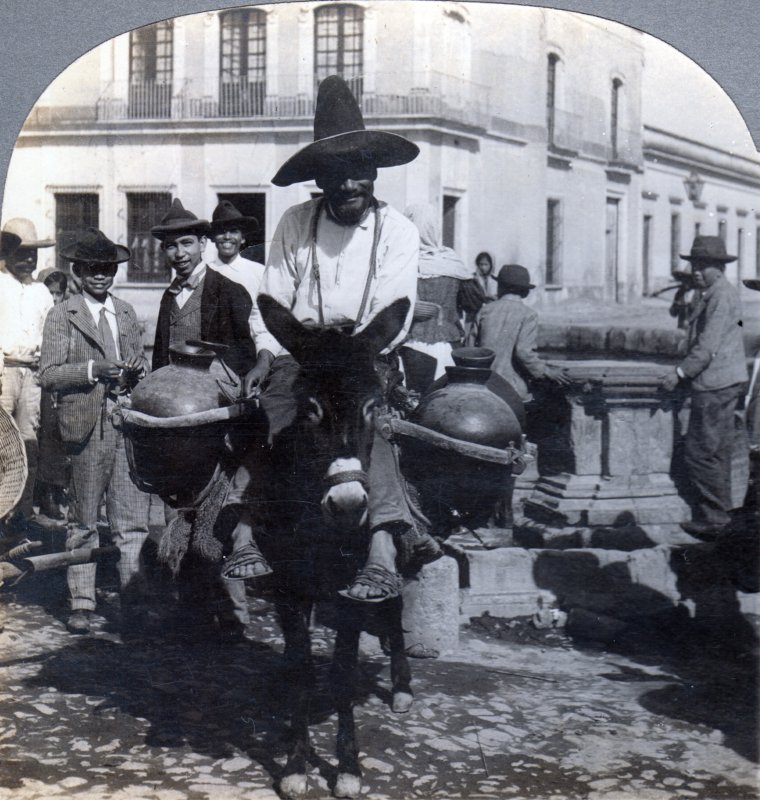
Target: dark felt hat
<point x="178" y="220"/>
<point x="709" y="248"/>
<point x="339" y="132"/>
<point x="752" y="283"/>
<point x="226" y="214"/>
<point x="94" y="247"/>
<point x="515" y="275"/>
<point x="9" y="243"/>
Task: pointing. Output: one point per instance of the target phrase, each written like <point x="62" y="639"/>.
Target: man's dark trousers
<point x="707" y="450"/>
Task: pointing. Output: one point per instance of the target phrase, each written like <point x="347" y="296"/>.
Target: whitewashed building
<point x="557" y="140"/>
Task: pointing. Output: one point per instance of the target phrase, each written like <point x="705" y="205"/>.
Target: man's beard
<point x="349" y="214"/>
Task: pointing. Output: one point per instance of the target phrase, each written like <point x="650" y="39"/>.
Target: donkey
<point x="315" y="535"/>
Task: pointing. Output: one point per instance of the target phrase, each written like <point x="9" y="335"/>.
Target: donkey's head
<point x="338" y="389"/>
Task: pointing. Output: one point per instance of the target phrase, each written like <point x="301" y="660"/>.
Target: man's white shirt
<point x="344" y="254"/>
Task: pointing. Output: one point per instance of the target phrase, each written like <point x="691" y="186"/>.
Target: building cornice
<point x="671" y="149"/>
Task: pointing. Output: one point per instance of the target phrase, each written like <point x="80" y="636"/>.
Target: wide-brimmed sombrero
<point x="339" y="132"/>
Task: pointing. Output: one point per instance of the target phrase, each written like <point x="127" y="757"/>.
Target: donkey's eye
<point x="314" y="411"/>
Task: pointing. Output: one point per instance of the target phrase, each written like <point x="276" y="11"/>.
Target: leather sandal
<point x="377" y="577"/>
<point x="245" y="556"/>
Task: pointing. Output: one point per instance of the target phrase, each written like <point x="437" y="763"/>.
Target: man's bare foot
<point x="245" y="562"/>
<point x="379" y="579"/>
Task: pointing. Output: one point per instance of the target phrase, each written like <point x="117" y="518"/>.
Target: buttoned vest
<point x="185" y="322"/>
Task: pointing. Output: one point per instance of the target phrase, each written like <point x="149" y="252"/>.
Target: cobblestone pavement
<point x="521" y="716"/>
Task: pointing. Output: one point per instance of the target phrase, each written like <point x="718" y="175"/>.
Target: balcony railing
<point x="430" y="95"/>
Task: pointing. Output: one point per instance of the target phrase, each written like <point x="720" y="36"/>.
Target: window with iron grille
<point x="242" y="65"/>
<point x="553" y="242"/>
<point x="74" y="212"/>
<point x="151" y="67"/>
<point x="551" y="96"/>
<point x="339" y="45"/>
<point x="147" y="264"/>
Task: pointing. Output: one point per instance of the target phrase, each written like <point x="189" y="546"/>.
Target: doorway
<point x="611" y="248"/>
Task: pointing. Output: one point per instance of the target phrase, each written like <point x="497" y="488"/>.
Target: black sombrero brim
<point x="752" y="283"/>
<point x="381" y="148"/>
<point x="70" y="254"/>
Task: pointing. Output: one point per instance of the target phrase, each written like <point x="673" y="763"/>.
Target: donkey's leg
<point x="389" y="614"/>
<point x="343" y="676"/>
<point x="299" y="675"/>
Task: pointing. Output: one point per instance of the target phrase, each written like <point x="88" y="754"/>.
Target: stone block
<point x="430" y="615"/>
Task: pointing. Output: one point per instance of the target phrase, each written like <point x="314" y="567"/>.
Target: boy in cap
<point x="24" y="304"/>
<point x="715" y="368"/>
<point x="92" y="356"/>
<point x="510" y="328"/>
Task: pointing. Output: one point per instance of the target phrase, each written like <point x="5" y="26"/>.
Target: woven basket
<point x="13" y="467"/>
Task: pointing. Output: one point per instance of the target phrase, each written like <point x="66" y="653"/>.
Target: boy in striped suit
<point x="92" y="355"/>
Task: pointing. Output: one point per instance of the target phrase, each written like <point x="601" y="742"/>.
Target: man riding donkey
<point x="335" y="261"/>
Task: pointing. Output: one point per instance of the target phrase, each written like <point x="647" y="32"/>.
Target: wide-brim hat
<point x="9" y="243"/>
<point x="225" y="214"/>
<point x="25" y="230"/>
<point x="709" y="248"/>
<point x="179" y="220"/>
<point x="515" y="275"/>
<point x="752" y="283"/>
<point x="94" y="247"/>
<point x="339" y="132"/>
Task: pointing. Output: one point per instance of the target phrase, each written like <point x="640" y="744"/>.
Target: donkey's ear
<point x="289" y="332"/>
<point x="385" y="327"/>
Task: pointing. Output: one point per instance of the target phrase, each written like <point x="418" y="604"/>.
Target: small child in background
<point x="54" y="470"/>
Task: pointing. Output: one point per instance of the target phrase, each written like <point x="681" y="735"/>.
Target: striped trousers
<point x="99" y="468"/>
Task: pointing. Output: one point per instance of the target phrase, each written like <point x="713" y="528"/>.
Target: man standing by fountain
<point x="716" y="369"/>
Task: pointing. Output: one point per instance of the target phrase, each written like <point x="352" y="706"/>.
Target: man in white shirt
<point x="92" y="355"/>
<point x="24" y="304"/>
<point x="366" y="254"/>
<point x="229" y="230"/>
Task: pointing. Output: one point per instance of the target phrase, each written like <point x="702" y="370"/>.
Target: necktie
<point x="177" y="285"/>
<point x="107" y="336"/>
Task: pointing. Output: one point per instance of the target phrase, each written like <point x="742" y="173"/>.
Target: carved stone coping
<point x="615" y="382"/>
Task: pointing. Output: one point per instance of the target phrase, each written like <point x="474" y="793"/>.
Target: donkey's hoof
<point x="292" y="786"/>
<point x="347" y="785"/>
<point x="402" y="702"/>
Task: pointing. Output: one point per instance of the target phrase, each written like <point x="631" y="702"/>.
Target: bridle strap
<point x="347" y="476"/>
